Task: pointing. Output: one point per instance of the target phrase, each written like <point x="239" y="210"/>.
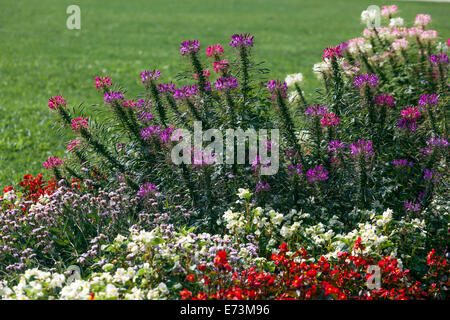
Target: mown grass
<point x="40" y="57"/>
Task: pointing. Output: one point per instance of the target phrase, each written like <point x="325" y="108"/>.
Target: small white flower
<point x="292" y="79"/>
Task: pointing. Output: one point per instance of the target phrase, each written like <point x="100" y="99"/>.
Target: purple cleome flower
<point x="412" y="206"/>
<point x="144" y="116"/>
<point x="385" y="100"/>
<point x="440" y="58"/>
<point x="336" y="146"/>
<point x="275" y="86"/>
<point x="434" y="176"/>
<point x="316" y="110"/>
<point x="428" y="100"/>
<point x="146" y="75"/>
<point x="437" y="142"/>
<point x="242" y="40"/>
<point x="188" y="47"/>
<point x="261" y="186"/>
<point x="363" y="79"/>
<point x="318" y="173"/>
<point x="147" y="189"/>
<point x="226" y="84"/>
<point x="166" y="88"/>
<point x="295" y="169"/>
<point x="362" y="147"/>
<point x="185" y="92"/>
<point x="110" y="97"/>
<point x="402" y="163"/>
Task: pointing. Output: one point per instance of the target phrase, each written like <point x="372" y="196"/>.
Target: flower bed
<point x="360" y="182"/>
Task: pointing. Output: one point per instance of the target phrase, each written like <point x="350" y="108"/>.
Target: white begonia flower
<point x="111" y="291"/>
<point x="285" y="232"/>
<point x="292" y="79"/>
<point x="162" y="287"/>
<point x="276" y="217"/>
<point x="120" y="238"/>
<point x="396" y="22"/>
<point x="244" y="193"/>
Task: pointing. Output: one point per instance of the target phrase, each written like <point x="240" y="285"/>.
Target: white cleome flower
<point x="292" y="79"/>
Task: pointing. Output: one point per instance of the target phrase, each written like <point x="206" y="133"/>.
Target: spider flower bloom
<point x="164" y="88"/>
<point x="437" y="142"/>
<point x="440" y="58"/>
<point x="428" y="34"/>
<point x="79" y="123"/>
<point x="150" y="132"/>
<point x="318" y="173"/>
<point x="261" y="186"/>
<point x="411" y="206"/>
<point x="362" y="147"/>
<point x="316" y="110"/>
<point x="129" y="104"/>
<point x="188" y="47"/>
<point x="144" y="116"/>
<point x="102" y="82"/>
<point x="410" y="113"/>
<point x="146" y="190"/>
<point x="400" y="44"/>
<point x="428" y="100"/>
<point x="221" y="65"/>
<point x="73" y="144"/>
<point x="214" y="51"/>
<point x="385" y="100"/>
<point x="147" y="75"/>
<point x="206" y="74"/>
<point x="111" y="97"/>
<point x="402" y="163"/>
<point x="430" y="175"/>
<point x="295" y="169"/>
<point x="166" y="134"/>
<point x="52" y="162"/>
<point x="226" y="84"/>
<point x="185" y="92"/>
<point x="332" y="52"/>
<point x="55" y="102"/>
<point x="366" y="79"/>
<point x="292" y="79"/>
<point x="422" y="19"/>
<point x="329" y="119"/>
<point x="387" y="11"/>
<point x="241" y="40"/>
<point x="336" y="146"/>
<point x="277" y="86"/>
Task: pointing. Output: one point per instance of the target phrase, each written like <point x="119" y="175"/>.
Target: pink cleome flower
<point x="387" y="11"/>
<point x="422" y="19"/>
<point x="79" y="123"/>
<point x="73" y="144"/>
<point x="102" y="82"/>
<point x="329" y="119"/>
<point x="52" y="162"/>
<point x="55" y="102"/>
<point x="214" y="51"/>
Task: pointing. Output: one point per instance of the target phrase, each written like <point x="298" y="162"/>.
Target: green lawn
<point x="40" y="57"/>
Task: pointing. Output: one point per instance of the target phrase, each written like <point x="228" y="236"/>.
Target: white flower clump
<point x="396" y="22"/>
<point x="369" y="16"/>
<point x="292" y="79"/>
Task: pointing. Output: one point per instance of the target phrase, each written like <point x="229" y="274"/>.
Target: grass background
<point x="40" y="57"/>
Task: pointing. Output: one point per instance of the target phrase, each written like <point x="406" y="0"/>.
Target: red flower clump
<point x="297" y="276"/>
